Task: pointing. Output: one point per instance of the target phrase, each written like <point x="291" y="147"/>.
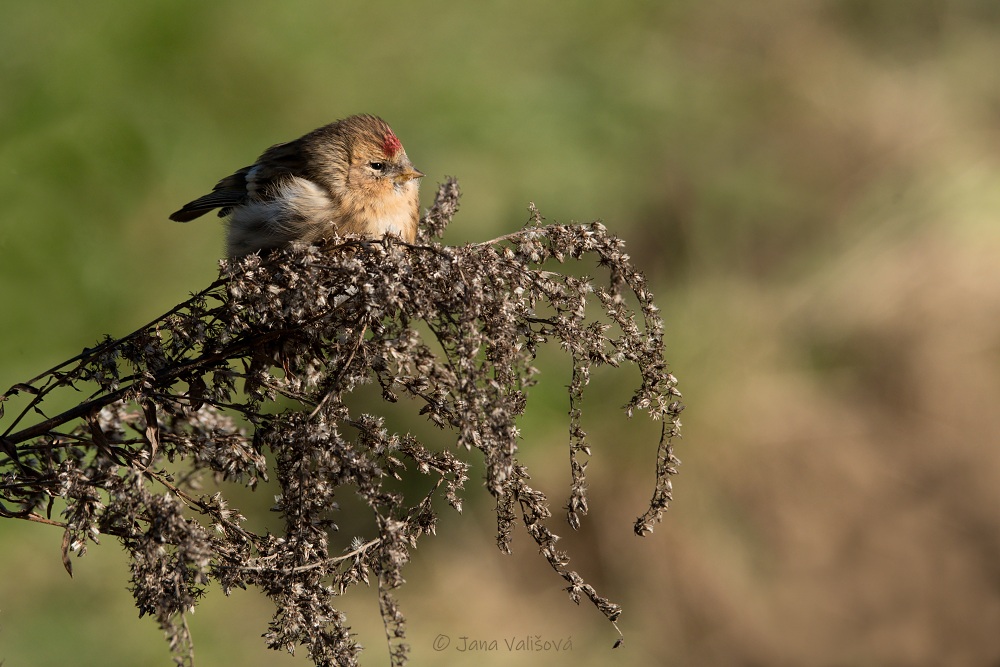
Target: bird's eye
<point x="377" y="166"/>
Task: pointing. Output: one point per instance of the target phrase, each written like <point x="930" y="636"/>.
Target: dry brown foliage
<point x="253" y="374"/>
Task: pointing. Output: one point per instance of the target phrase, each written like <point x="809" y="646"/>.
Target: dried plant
<point x="254" y="373"/>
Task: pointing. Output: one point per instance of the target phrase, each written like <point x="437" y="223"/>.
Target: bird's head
<point x="368" y="163"/>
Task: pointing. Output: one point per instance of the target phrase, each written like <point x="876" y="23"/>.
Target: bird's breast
<point x="393" y="213"/>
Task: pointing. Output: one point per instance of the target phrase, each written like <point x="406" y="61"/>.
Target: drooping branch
<point x="252" y="375"/>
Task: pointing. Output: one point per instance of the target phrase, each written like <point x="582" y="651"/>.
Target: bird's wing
<point x="256" y="182"/>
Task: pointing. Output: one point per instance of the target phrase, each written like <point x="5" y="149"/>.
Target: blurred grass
<point x="812" y="188"/>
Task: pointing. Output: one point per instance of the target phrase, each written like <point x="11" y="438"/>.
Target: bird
<point x="351" y="176"/>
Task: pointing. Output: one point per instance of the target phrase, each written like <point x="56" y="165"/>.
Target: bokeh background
<point x="812" y="188"/>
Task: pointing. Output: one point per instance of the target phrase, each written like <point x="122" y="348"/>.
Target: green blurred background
<point x="812" y="187"/>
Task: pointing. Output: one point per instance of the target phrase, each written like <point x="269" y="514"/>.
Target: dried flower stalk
<point x="252" y="375"/>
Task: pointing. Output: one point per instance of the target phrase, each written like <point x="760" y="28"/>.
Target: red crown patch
<point x="391" y="145"/>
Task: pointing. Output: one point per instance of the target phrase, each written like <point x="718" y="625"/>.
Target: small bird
<point x="349" y="177"/>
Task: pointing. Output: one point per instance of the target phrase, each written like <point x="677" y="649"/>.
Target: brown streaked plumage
<point x="348" y="177"/>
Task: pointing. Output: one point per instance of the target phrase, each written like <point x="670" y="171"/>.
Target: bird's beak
<point x="408" y="174"/>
